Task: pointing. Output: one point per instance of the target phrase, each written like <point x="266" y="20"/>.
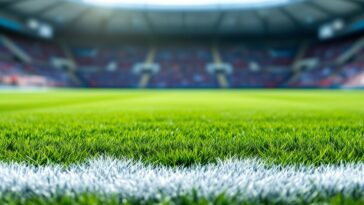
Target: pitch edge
<point x="248" y="179"/>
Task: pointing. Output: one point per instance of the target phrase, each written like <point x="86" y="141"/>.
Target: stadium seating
<point x="184" y="65"/>
<point x="4" y="52"/>
<point x="105" y="67"/>
<point x="41" y="51"/>
<point x="262" y="67"/>
<point x="328" y="73"/>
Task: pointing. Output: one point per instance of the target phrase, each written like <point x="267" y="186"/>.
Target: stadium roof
<point x="249" y="17"/>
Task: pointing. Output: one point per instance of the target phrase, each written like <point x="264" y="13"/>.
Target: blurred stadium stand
<point x="299" y="44"/>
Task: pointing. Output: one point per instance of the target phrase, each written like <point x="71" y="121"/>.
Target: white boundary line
<point x="249" y="179"/>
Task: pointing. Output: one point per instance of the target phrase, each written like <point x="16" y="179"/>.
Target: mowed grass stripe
<point x="183" y="127"/>
<point x="35" y="101"/>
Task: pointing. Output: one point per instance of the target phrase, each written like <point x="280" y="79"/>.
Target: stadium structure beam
<point x="23" y="16"/>
<point x="320" y="8"/>
<point x="183" y="21"/>
<point x="149" y="22"/>
<point x="48" y="8"/>
<point x="357" y="2"/>
<point x="347" y="16"/>
<point x="218" y="23"/>
<point x="7" y="4"/>
<point x="77" y="18"/>
<point x="263" y="21"/>
<point x="297" y="23"/>
<point x="106" y="21"/>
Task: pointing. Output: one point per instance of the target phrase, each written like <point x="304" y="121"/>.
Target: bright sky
<point x="184" y="3"/>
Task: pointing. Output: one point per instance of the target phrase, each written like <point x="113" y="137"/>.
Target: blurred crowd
<point x="180" y="65"/>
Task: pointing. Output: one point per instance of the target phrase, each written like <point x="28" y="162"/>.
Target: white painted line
<point x="248" y="179"/>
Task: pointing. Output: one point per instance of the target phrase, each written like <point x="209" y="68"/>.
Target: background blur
<point x="182" y="44"/>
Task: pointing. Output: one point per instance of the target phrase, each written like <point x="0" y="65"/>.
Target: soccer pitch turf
<point x="182" y="146"/>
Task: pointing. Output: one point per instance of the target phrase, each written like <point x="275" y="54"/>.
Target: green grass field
<point x="182" y="128"/>
<point x="178" y="127"/>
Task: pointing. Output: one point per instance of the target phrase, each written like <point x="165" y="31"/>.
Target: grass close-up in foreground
<point x="182" y="128"/>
